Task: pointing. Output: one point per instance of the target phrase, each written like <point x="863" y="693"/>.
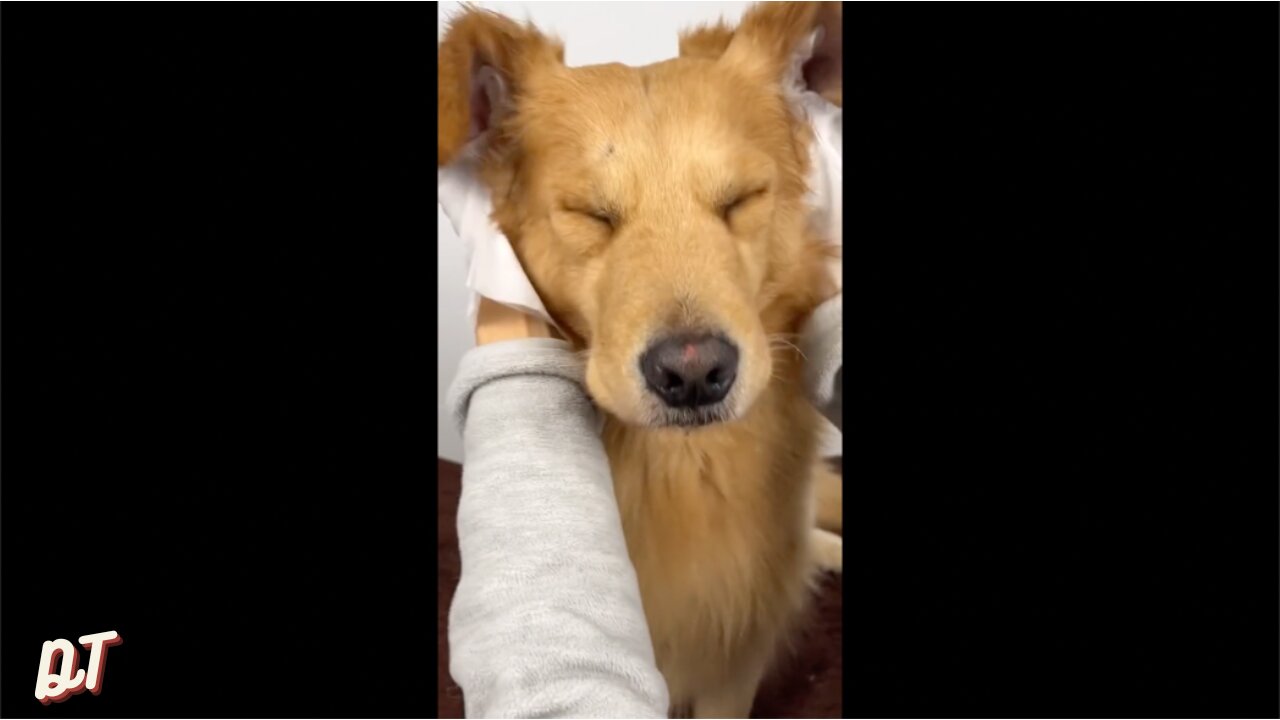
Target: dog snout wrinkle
<point x="690" y="370"/>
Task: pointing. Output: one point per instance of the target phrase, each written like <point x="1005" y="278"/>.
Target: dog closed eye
<point x="737" y="200"/>
<point x="605" y="217"/>
<point x="600" y="215"/>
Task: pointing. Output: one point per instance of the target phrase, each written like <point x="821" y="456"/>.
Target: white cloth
<point x="826" y="175"/>
<point x="494" y="271"/>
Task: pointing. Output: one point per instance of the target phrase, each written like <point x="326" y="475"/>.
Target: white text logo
<point x="71" y="679"/>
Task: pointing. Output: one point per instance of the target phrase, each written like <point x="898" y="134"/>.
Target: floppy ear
<point x="798" y="44"/>
<point x="484" y="61"/>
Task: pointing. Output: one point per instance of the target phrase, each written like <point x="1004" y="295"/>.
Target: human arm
<point x="547" y="619"/>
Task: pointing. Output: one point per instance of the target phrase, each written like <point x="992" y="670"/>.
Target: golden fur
<point x="667" y="197"/>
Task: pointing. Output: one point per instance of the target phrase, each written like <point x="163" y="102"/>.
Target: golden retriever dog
<point x="660" y="212"/>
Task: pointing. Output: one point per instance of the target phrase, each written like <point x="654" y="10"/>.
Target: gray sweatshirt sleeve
<point x="547" y="619"/>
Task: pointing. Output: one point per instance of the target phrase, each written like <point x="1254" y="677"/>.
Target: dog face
<point x="659" y="211"/>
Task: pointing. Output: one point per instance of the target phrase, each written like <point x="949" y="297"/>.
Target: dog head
<point x="659" y="210"/>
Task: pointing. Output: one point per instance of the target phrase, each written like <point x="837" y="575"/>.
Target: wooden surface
<point x="805" y="684"/>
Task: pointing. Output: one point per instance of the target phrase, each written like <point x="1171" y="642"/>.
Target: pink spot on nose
<point x="690" y="352"/>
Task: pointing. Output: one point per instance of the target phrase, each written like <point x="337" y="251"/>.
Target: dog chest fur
<point x="717" y="522"/>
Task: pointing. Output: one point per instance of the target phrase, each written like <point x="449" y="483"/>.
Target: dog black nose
<point x="690" y="370"/>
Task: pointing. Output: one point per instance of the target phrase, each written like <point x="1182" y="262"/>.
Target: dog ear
<point x="706" y="41"/>
<point x="799" y="44"/>
<point x="485" y="60"/>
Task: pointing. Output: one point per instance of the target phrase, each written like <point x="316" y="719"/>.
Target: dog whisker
<point x="778" y="341"/>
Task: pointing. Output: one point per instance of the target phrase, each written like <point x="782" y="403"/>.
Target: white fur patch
<point x="793" y="82"/>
